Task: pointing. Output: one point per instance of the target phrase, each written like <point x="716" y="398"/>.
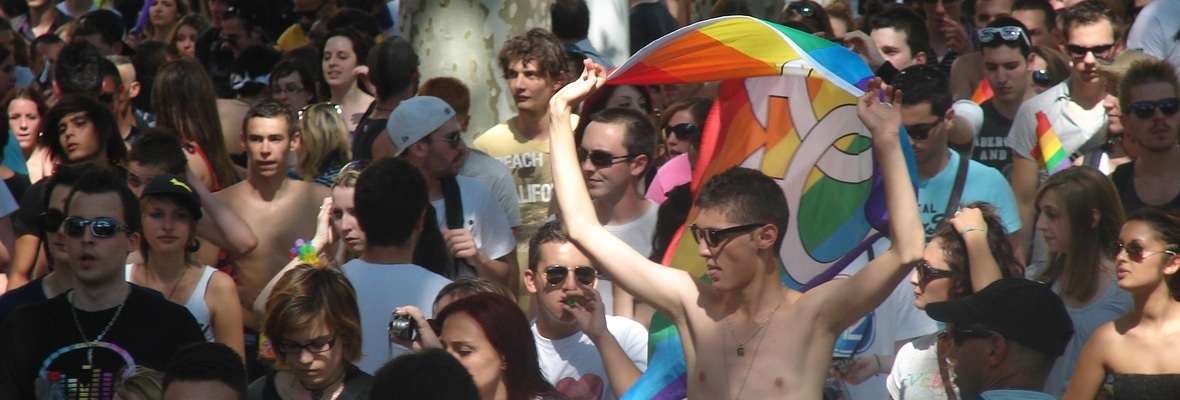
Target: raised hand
<point x="882" y="117"/>
<point x="325" y="233"/>
<point x="590" y="312"/>
<point x="592" y="78"/>
<point x="863" y="45"/>
<point x="969" y="217"/>
<point x="956" y="36"/>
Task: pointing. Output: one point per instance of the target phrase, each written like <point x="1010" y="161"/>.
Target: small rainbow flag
<point x="1048" y="148"/>
<point x="983" y="92"/>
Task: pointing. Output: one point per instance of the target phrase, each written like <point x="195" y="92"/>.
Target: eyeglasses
<point x="1146" y="109"/>
<point x="926" y="273"/>
<point x="803" y="9"/>
<point x="1103" y="51"/>
<point x="962" y="334"/>
<point x="1042" y="78"/>
<point x="312" y="14"/>
<point x="453" y="139"/>
<point x="102" y="227"/>
<point x="289" y="90"/>
<point x="1006" y="33"/>
<point x="51" y="220"/>
<point x="599" y="158"/>
<point x="714" y="236"/>
<point x="1136" y="252"/>
<point x="292" y="348"/>
<point x="682" y="131"/>
<point x="305" y="109"/>
<point x="555" y="274"/>
<point x="922" y="131"/>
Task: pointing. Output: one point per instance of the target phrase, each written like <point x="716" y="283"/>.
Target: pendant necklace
<point x="741" y="348"/>
<point x="91" y="344"/>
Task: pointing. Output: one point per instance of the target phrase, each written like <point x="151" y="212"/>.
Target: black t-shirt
<point x="1123" y="178"/>
<point x="989" y="148"/>
<point x="17" y="185"/>
<point x="42" y="345"/>
<point x="648" y="22"/>
<point x="356" y="386"/>
<point x="32" y="204"/>
<point x="30" y="293"/>
<point x="366" y="132"/>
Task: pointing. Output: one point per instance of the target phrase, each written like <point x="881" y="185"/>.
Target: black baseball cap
<point x="177" y="188"/>
<point x="1021" y="310"/>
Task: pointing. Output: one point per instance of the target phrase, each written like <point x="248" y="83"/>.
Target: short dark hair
<point x="1043" y="6"/>
<point x="569" y="19"/>
<point x="924" y="84"/>
<point x="362" y="21"/>
<point x="550" y="232"/>
<point x="1023" y="43"/>
<point x="207" y="361"/>
<point x="271" y="109"/>
<point x="105" y="126"/>
<point x="1146" y="72"/>
<point x="307" y="76"/>
<point x="79" y="69"/>
<point x="101" y="181"/>
<point x="390" y="181"/>
<point x="160" y="147"/>
<point x="640" y="138"/>
<point x="48" y="38"/>
<point x="539" y="47"/>
<point x="746" y="196"/>
<point x="63" y="175"/>
<point x="431" y="374"/>
<point x="903" y="19"/>
<point x="1090" y="12"/>
<point x="150" y="56"/>
<point x="254" y="61"/>
<point x="392" y="66"/>
<point x="450" y="90"/>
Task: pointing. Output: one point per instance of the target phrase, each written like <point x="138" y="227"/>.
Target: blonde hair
<point x="144" y="384"/>
<point x="323" y="140"/>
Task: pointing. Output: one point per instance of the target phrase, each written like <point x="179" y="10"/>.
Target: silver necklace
<point x="741" y="351"/>
<point x="741" y="348"/>
<point x="91" y="344"/>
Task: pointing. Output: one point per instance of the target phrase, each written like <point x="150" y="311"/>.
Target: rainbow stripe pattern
<point x="786" y="107"/>
<point x="982" y="93"/>
<point x="1048" y="149"/>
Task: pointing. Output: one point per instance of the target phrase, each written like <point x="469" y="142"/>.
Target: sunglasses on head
<point x="302" y="111"/>
<point x="1042" y="78"/>
<point x="1005" y="33"/>
<point x="962" y="334"/>
<point x="51" y="220"/>
<point x="599" y="158"/>
<point x="682" y="131"/>
<point x="1103" y="51"/>
<point x="1146" y="109"/>
<point x="555" y="274"/>
<point x="1135" y="251"/>
<point x="922" y="131"/>
<point x="927" y="273"/>
<point x="102" y="227"/>
<point x="714" y="236"/>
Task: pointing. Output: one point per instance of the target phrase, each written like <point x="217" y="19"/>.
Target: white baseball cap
<point x="415" y="118"/>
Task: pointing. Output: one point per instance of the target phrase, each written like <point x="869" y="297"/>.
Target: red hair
<point x="507" y="329"/>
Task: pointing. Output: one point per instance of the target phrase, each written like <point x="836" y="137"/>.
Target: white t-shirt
<point x="637" y="234"/>
<point x="380" y="288"/>
<point x="894" y="320"/>
<point x="574" y="366"/>
<point x="1078" y="129"/>
<point x="482" y="216"/>
<point x="1154" y="30"/>
<point x="915" y="374"/>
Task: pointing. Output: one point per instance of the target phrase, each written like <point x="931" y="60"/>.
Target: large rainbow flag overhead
<point x="787" y="107"/>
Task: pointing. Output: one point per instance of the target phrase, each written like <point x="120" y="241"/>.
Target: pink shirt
<point x="673" y="173"/>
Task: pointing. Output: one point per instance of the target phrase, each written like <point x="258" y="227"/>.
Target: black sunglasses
<point x="51" y="220"/>
<point x="1042" y="78"/>
<point x="961" y="334"/>
<point x="292" y="348"/>
<point x="599" y="158"/>
<point x="1146" y="109"/>
<point x="555" y="274"/>
<point x="682" y="131"/>
<point x="1103" y="51"/>
<point x="1136" y="252"/>
<point x="102" y="227"/>
<point x="922" y="131"/>
<point x="453" y="139"/>
<point x="927" y="273"/>
<point x="714" y="236"/>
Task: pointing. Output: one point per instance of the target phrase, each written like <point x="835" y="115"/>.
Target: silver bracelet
<point x="974" y="228"/>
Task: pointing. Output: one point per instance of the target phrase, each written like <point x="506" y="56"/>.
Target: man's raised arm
<point x="626" y="267"/>
<point x="874" y="283"/>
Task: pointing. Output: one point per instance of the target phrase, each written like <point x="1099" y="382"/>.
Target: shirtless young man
<point x="278" y="209"/>
<point x="725" y="325"/>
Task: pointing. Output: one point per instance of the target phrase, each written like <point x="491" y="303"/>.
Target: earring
<point x="193" y="246"/>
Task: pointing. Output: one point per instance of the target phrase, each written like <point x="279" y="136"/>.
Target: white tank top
<point x="196" y="301"/>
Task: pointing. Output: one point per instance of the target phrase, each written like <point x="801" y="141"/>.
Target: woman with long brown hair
<point x="185" y="102"/>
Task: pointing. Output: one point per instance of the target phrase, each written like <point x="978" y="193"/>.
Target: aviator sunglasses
<point x="102" y="227"/>
<point x="1136" y="252"/>
<point x="555" y="274"/>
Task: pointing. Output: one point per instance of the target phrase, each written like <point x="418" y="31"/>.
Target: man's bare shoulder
<point x="235" y="191"/>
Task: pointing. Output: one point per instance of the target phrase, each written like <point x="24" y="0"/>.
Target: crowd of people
<point x="217" y="200"/>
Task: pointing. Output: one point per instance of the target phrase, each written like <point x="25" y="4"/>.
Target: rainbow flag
<point x="786" y="107"/>
<point x="1048" y="149"/>
<point x="983" y="92"/>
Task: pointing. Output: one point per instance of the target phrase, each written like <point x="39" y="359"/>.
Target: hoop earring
<point x="193" y="246"/>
